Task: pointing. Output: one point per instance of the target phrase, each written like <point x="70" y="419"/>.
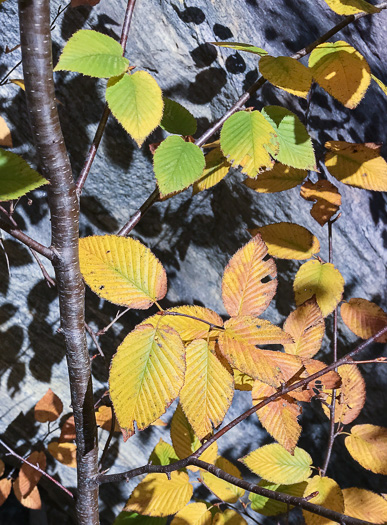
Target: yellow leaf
<point x="223" y="490"/>
<point x="193" y="514"/>
<point x="275" y="464"/>
<point x="185" y="442"/>
<point x="31" y="500"/>
<point x="287" y="240"/>
<point x="18" y="82"/>
<point x="5" y="134"/>
<point x="382" y="86"/>
<point x="228" y="517"/>
<point x="238" y="343"/>
<point x="28" y="476"/>
<point x="280" y="178"/>
<point x="65" y="453"/>
<point x="326" y="198"/>
<point x="155" y="495"/>
<point x="122" y="270"/>
<point x="271" y="507"/>
<point x="342" y="71"/>
<point x="367" y="444"/>
<point x="208" y="389"/>
<point x="329" y="496"/>
<point x="216" y="169"/>
<point x="351" y="7"/>
<point x="306" y="326"/>
<point x="49" y="408"/>
<point x="279" y="418"/>
<point x="358" y="165"/>
<point x="243" y="291"/>
<point x="323" y="281"/>
<point x="103" y="418"/>
<point x="187" y="327"/>
<point x="350" y="398"/>
<point x="364" y="318"/>
<point x="5" y="489"/>
<point x="146" y="375"/>
<point x="242" y="381"/>
<point x="286" y="73"/>
<point x="365" y="505"/>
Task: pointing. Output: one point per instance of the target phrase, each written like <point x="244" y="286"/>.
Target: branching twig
<point x="107" y="327"/>
<point x="49" y="280"/>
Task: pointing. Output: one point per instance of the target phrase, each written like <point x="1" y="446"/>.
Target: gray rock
<point x="194" y="237"/>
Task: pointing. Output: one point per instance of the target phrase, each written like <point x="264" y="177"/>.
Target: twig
<point x="180" y="314"/>
<point x="108" y="441"/>
<point x="49" y="280"/>
<point x="107" y="327"/>
<point x="139" y="214"/>
<point x="35" y="467"/>
<point x="95" y="340"/>
<point x="106" y="112"/>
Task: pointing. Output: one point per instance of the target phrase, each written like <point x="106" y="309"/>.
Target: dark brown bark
<point x="64" y="208"/>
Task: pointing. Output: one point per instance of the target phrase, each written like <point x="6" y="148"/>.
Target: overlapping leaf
<point x="358" y="165"/>
<point x="326" y="198"/>
<point x="246" y="139"/>
<point x="243" y="291"/>
<point x="329" y="496"/>
<point x="367" y="444"/>
<point x="177" y="164"/>
<point x="342" y="71"/>
<point x="223" y="490"/>
<point x="94" y="54"/>
<point x="208" y="389"/>
<point x="122" y="270"/>
<point x="306" y="326"/>
<point x="133" y="518"/>
<point x="146" y="375"/>
<point x="177" y="119"/>
<point x="279" y="178"/>
<point x="49" y="408"/>
<point x="364" y="318"/>
<point x="155" y="495"/>
<point x="137" y="103"/>
<point x="350" y="397"/>
<point x="271" y="507"/>
<point x="5" y="489"/>
<point x="351" y="7"/>
<point x="65" y="453"/>
<point x="103" y="418"/>
<point x="238" y="343"/>
<point x="28" y="476"/>
<point x="286" y="73"/>
<point x="279" y="418"/>
<point x="163" y="454"/>
<point x="193" y="514"/>
<point x="16" y="176"/>
<point x="321" y="280"/>
<point x="275" y="464"/>
<point x="242" y="381"/>
<point x="287" y="240"/>
<point x="295" y="145"/>
<point x="216" y="169"/>
<point x="239" y="46"/>
<point x="365" y="505"/>
<point x="31" y="500"/>
<point x="228" y="517"/>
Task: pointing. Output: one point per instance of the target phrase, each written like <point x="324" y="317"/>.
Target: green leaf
<point x="177" y="119"/>
<point x="295" y="145"/>
<point x="271" y="507"/>
<point x="163" y="454"/>
<point x="177" y="164"/>
<point x="246" y="139"/>
<point x="93" y="54"/>
<point x="132" y="518"/>
<point x="137" y="103"/>
<point x="16" y="176"/>
<point x="239" y="46"/>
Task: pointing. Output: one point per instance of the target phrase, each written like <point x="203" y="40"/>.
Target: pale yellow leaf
<point x="65" y="453"/>
<point x="351" y="7"/>
<point x="287" y="240"/>
<point x="286" y="73"/>
<point x="306" y="325"/>
<point x="342" y="71"/>
<point x="367" y="444"/>
<point x="31" y="500"/>
<point x="49" y="408"/>
<point x="358" y="165"/>
<point x="228" y="517"/>
<point x="193" y="514"/>
<point x="280" y="178"/>
<point x="321" y="280"/>
<point x="5" y="134"/>
<point x="28" y="476"/>
<point x="326" y="198"/>
<point x="216" y="169"/>
<point x="155" y="495"/>
<point x="146" y="375"/>
<point x="5" y="489"/>
<point x="364" y="318"/>
<point x="243" y="291"/>
<point x="242" y="381"/>
<point x="223" y="490"/>
<point x="329" y="496"/>
<point x="365" y="505"/>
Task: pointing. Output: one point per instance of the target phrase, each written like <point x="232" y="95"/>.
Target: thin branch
<point x="137" y="216"/>
<point x="108" y="441"/>
<point x="107" y="327"/>
<point x="106" y="112"/>
<point x="49" y="280"/>
<point x="93" y="335"/>
<point x="35" y="467"/>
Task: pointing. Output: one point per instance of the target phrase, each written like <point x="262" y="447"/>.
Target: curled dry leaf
<point x="326" y="198"/>
<point x="49" y="408"/>
<point x="31" y="500"/>
<point x="364" y="318"/>
<point x="5" y="489"/>
<point x="306" y="326"/>
<point x="65" y="453"/>
<point x="68" y="430"/>
<point x="28" y="476"/>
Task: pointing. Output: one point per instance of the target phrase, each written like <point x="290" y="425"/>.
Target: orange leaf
<point x="326" y="198"/>
<point x="364" y="318"/>
<point x="31" y="500"/>
<point x="28" y="476"/>
<point x="306" y="326"/>
<point x="65" y="453"/>
<point x="49" y="408"/>
<point x="68" y="430"/>
<point x="5" y="489"/>
<point x="103" y="418"/>
<point x="5" y="134"/>
<point x="243" y="291"/>
<point x="279" y="418"/>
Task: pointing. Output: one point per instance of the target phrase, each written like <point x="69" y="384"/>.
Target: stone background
<point x="193" y="236"/>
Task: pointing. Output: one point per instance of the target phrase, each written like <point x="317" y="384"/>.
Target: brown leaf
<point x="65" y="453"/>
<point x="326" y="198"/>
<point x="68" y="430"/>
<point x="364" y="318"/>
<point x="5" y="134"/>
<point x="103" y="418"/>
<point x="2" y="467"/>
<point x="49" y="408"/>
<point x="5" y="489"/>
<point x="28" y="476"/>
<point x="32" y="500"/>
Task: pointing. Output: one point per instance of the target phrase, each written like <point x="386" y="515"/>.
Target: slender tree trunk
<point x="64" y="207"/>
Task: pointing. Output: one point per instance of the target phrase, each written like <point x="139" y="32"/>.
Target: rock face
<point x="193" y="236"/>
